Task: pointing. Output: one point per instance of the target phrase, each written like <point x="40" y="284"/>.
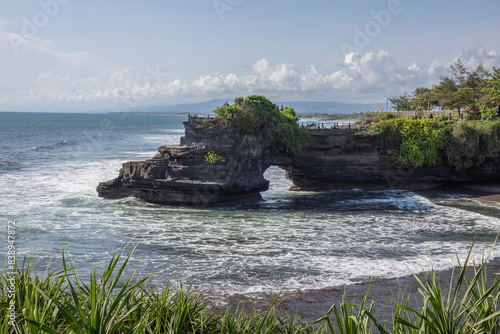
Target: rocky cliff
<point x="181" y="175"/>
<point x="329" y="159"/>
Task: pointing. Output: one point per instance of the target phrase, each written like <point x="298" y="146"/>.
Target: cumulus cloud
<point x="472" y="57"/>
<point x="371" y="75"/>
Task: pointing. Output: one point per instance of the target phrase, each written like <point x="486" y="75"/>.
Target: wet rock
<point x="330" y="159"/>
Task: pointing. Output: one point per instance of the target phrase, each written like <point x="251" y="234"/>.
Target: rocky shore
<point x="330" y="159"/>
<point x="314" y="304"/>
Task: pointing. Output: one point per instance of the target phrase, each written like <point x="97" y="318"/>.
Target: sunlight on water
<point x="293" y="240"/>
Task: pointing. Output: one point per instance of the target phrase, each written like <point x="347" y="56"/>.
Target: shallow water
<point x="50" y="165"/>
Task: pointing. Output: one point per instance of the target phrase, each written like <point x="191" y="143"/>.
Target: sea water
<point x="50" y="165"/>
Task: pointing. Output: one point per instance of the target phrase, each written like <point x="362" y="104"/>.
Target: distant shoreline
<point x="148" y="113"/>
<point x="333" y="117"/>
<point x="342" y="120"/>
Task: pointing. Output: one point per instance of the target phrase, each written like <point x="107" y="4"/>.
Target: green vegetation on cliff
<point x="421" y="140"/>
<point x="256" y="114"/>
<point x="212" y="157"/>
<point x="471" y="143"/>
<point x="463" y="144"/>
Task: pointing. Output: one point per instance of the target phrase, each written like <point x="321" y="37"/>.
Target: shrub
<point x="421" y="140"/>
<point x="441" y="118"/>
<point x="60" y="302"/>
<point x="371" y="117"/>
<point x="472" y="142"/>
<point x="212" y="157"/>
<point x="446" y="310"/>
<point x="386" y="116"/>
<point x="256" y="114"/>
<point x="489" y="114"/>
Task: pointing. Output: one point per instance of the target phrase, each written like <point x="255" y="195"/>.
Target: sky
<point x="74" y="55"/>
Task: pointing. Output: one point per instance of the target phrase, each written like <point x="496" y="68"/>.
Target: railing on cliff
<point x="312" y="129"/>
<point x="328" y="131"/>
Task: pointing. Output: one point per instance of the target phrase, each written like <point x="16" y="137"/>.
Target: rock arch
<point x="330" y="159"/>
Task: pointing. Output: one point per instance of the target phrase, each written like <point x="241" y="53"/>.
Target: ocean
<point x="51" y="163"/>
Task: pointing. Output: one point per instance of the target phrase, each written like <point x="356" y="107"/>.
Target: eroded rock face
<point x="180" y="174"/>
<point x="330" y="159"/>
<point x="339" y="159"/>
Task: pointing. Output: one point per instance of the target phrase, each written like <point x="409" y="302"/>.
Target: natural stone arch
<point x="330" y="159"/>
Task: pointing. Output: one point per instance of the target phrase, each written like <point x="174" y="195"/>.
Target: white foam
<point x="227" y="250"/>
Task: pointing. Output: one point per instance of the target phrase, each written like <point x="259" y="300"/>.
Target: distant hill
<point x="200" y="108"/>
<point x="301" y="107"/>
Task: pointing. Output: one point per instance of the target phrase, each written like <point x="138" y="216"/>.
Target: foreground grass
<point x="60" y="302"/>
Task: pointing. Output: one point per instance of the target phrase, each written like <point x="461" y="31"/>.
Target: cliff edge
<point x="216" y="165"/>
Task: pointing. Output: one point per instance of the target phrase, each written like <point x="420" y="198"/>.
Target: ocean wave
<point x="405" y="202"/>
<point x="36" y="148"/>
<point x="263" y="250"/>
<point x="9" y="166"/>
<point x="295" y="240"/>
<point x="348" y="200"/>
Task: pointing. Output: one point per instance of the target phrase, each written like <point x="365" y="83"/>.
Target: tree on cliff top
<point x="256" y="114"/>
<point x="400" y="102"/>
<point x="463" y="87"/>
<point x="492" y="86"/>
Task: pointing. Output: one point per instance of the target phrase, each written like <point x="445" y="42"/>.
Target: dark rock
<point x="180" y="175"/>
<point x="330" y="159"/>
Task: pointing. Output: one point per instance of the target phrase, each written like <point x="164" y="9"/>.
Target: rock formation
<point x="181" y="175"/>
<point x="329" y="159"/>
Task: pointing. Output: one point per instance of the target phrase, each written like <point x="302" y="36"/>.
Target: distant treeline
<point x="462" y="88"/>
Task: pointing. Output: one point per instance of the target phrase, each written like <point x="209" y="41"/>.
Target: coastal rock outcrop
<point x="182" y="175"/>
<point x="330" y="159"/>
<point x="339" y="159"/>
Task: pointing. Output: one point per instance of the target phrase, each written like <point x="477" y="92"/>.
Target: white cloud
<point x="20" y="43"/>
<point x="262" y="67"/>
<point x="372" y="75"/>
<point x="473" y="57"/>
<point x="5" y="22"/>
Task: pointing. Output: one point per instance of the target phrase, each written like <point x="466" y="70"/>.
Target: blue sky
<point x="80" y="55"/>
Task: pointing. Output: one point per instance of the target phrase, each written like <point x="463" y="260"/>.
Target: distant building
<point x="473" y="113"/>
<point x="473" y="110"/>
